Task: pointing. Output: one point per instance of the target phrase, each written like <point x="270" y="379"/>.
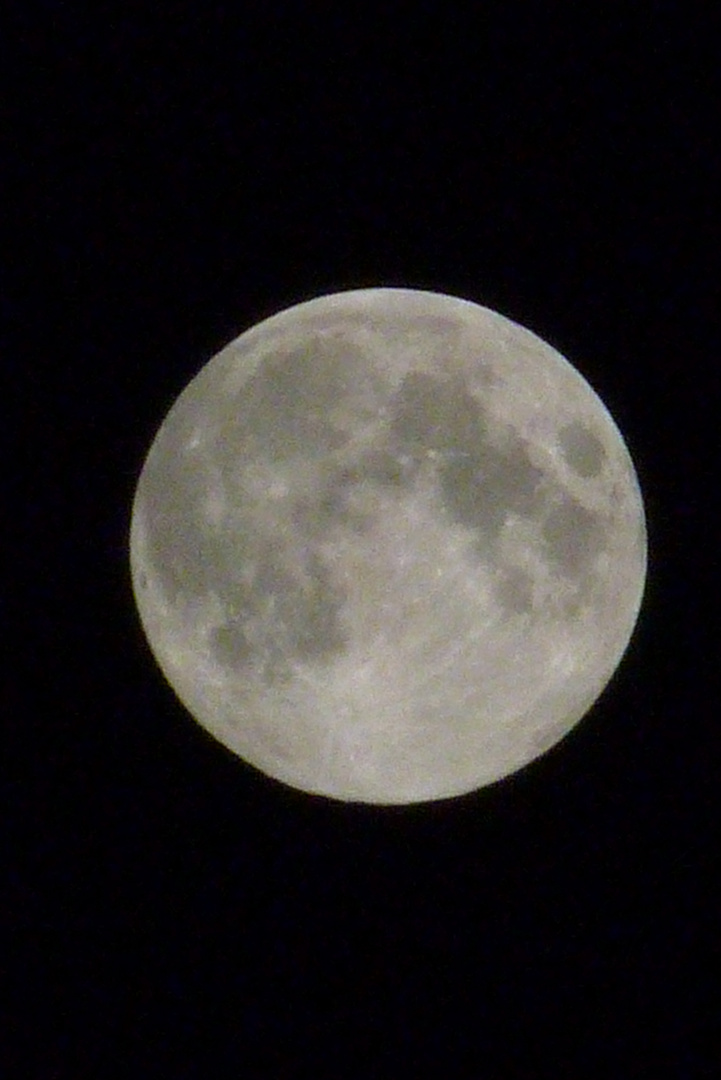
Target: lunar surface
<point x="388" y="546"/>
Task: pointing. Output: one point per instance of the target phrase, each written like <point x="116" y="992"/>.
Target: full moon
<point x="388" y="546"/>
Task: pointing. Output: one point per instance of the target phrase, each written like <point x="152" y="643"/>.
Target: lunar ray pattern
<point x="388" y="546"/>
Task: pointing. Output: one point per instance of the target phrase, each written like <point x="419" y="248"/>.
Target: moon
<point x="388" y="546"/>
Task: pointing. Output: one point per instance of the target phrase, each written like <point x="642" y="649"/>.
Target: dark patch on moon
<point x="480" y="482"/>
<point x="517" y="478"/>
<point x="514" y="591"/>
<point x="182" y="560"/>
<point x="317" y="630"/>
<point x="278" y="616"/>
<point x="469" y="496"/>
<point x="582" y="450"/>
<point x="484" y="372"/>
<point x="573" y="537"/>
<point x="381" y="466"/>
<point x="331" y="506"/>
<point x="437" y="330"/>
<point x="437" y="325"/>
<point x="435" y="414"/>
<point x="481" y="489"/>
<point x="230" y="645"/>
<point x="283" y="413"/>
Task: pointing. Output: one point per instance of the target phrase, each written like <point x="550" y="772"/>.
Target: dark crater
<point x="582" y="450"/>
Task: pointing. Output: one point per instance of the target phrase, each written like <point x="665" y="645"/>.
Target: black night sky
<point x="170" y="176"/>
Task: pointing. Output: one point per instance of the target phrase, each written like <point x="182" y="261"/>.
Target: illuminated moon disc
<point x="388" y="546"/>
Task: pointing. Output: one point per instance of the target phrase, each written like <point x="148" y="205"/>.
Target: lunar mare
<point x="388" y="546"/>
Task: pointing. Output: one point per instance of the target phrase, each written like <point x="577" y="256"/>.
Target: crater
<point x="582" y="450"/>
